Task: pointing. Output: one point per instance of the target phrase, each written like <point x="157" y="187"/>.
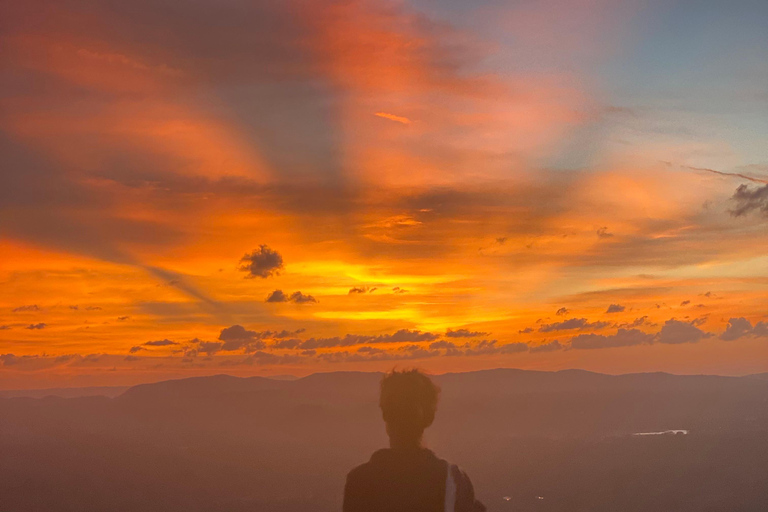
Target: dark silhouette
<point x="406" y="476"/>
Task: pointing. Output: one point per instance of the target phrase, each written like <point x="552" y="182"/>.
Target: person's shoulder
<point x="364" y="470"/>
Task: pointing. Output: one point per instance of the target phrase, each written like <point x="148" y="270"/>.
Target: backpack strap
<point x="450" y="488"/>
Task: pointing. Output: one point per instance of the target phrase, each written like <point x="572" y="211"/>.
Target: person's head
<point x="408" y="403"/>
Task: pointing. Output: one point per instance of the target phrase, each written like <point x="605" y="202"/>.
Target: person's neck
<point x="404" y="444"/>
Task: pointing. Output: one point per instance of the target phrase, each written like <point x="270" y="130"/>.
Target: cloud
<point x="749" y="199"/>
<point x="277" y="296"/>
<point x="121" y="318"/>
<point x="289" y="343"/>
<point x="36" y="326"/>
<point x="547" y="347"/>
<point x="295" y="297"/>
<point x="740" y="327"/>
<point x="623" y="338"/>
<point x="463" y="333"/>
<point x="603" y="233"/>
<point x="397" y="289"/>
<point x="31" y="307"/>
<point x="160" y="343"/>
<point x="209" y="347"/>
<point x="135" y="349"/>
<point x="615" y="308"/>
<point x="685" y="303"/>
<point x="676" y="331"/>
<point x="637" y="322"/>
<point x="572" y="323"/>
<point x="442" y="344"/>
<point x="525" y="331"/>
<point x="562" y="311"/>
<point x="262" y="262"/>
<point x="403" y="335"/>
<point x="237" y="337"/>
<point x="300" y="298"/>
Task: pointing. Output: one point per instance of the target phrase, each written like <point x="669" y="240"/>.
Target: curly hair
<point x="408" y="402"/>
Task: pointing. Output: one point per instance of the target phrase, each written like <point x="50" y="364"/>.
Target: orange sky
<point x="423" y="186"/>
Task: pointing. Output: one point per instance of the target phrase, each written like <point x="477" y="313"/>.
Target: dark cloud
<point x="285" y="334"/>
<point x="572" y="323"/>
<point x="237" y="337"/>
<point x="676" y="331"/>
<point x="92" y="308"/>
<point x="36" y="326"/>
<point x="135" y="349"/>
<point x="442" y="344"/>
<point x="615" y="308"/>
<point x="289" y="343"/>
<point x="209" y="347"/>
<point x="131" y="358"/>
<point x="637" y="322"/>
<point x="295" y="297"/>
<point x="525" y="331"/>
<point x="740" y="327"/>
<point x="463" y="333"/>
<point x="603" y="232"/>
<point x="277" y="296"/>
<point x="562" y="311"/>
<point x="262" y="262"/>
<point x="403" y="335"/>
<point x="397" y="289"/>
<point x="623" y="338"/>
<point x="750" y="199"/>
<point x="685" y="303"/>
<point x="300" y="298"/>
<point x="547" y="347"/>
<point x="160" y="343"/>
<point x="31" y="307"/>
<point x="237" y="332"/>
<point x="121" y="318"/>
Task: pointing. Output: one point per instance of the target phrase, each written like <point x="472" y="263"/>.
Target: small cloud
<point x="121" y="318"/>
<point x="603" y="232"/>
<point x="623" y="338"/>
<point x="392" y="117"/>
<point x="749" y="199"/>
<point x="36" y="326"/>
<point x="277" y="296"/>
<point x="685" y="303"/>
<point x="615" y="308"/>
<point x="501" y="240"/>
<point x="131" y="358"/>
<point x="31" y="307"/>
<point x="135" y="349"/>
<point x="262" y="262"/>
<point x="74" y="308"/>
<point x="562" y="312"/>
<point x="397" y="289"/>
<point x="160" y="343"/>
<point x="464" y="333"/>
<point x="526" y="330"/>
<point x="92" y="308"/>
<point x="295" y="297"/>
<point x="572" y="323"/>
<point x="300" y="298"/>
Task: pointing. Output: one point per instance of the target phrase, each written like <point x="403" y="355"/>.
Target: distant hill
<point x="108" y="391"/>
<point x="236" y="444"/>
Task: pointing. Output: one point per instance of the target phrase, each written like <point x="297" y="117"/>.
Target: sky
<point x="275" y="188"/>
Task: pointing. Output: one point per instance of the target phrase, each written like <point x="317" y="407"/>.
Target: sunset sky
<point x="265" y="188"/>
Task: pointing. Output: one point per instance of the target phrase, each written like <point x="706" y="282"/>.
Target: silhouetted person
<point x="407" y="477"/>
